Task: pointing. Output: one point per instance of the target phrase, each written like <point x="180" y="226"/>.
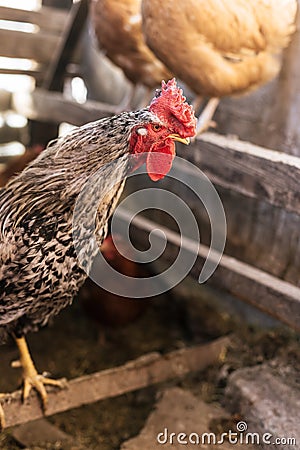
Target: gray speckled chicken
<point x="39" y="269"/>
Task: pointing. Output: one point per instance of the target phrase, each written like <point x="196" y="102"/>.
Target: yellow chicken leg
<point x="31" y="378"/>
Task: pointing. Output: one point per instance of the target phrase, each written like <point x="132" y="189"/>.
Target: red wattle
<point x="159" y="160"/>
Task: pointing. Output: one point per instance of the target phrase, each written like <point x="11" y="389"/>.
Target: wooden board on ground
<point x="145" y="371"/>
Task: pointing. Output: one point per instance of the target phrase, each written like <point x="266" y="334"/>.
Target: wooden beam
<point x="145" y="371"/>
<point x="59" y="109"/>
<point x="38" y="46"/>
<point x="36" y="74"/>
<point x="49" y="19"/>
<point x="268" y="175"/>
<point x="271" y="295"/>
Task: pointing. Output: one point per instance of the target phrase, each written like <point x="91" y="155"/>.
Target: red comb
<point x="170" y="107"/>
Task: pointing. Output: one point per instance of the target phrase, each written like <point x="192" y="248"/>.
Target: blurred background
<point x="57" y="71"/>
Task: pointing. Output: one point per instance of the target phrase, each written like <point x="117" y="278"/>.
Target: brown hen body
<point x="118" y="27"/>
<point x="221" y="47"/>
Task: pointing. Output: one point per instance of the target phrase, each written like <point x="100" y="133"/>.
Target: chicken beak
<point x="176" y="137"/>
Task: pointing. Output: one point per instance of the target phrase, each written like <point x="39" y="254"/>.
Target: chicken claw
<point x="31" y="378"/>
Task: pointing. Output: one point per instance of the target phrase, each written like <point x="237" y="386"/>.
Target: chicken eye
<point x="156" y="127"/>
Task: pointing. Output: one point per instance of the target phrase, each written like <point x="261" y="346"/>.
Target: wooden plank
<point x="257" y="172"/>
<point x="271" y="295"/>
<point x="36" y="74"/>
<point x="10" y="134"/>
<point x="145" y="371"/>
<point x="59" y="109"/>
<point x="37" y="46"/>
<point x="5" y="99"/>
<point x="48" y="19"/>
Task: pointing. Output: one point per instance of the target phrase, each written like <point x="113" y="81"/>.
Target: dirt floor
<point x="73" y="345"/>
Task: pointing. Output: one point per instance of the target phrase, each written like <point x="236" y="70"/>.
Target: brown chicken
<point x="221" y="47"/>
<point x="118" y="27"/>
<point x="107" y="308"/>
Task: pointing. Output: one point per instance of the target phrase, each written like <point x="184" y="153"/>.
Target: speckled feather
<point x="39" y="270"/>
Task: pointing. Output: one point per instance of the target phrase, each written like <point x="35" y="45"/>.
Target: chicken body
<point x="221" y="47"/>
<point x="39" y="271"/>
<point x="47" y="214"/>
<point x="118" y="27"/>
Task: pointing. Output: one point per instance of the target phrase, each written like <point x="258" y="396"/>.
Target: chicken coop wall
<point x="265" y="236"/>
<point x="263" y="230"/>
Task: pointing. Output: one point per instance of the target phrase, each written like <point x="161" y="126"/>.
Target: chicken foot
<point x="205" y="118"/>
<point x="31" y="378"/>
